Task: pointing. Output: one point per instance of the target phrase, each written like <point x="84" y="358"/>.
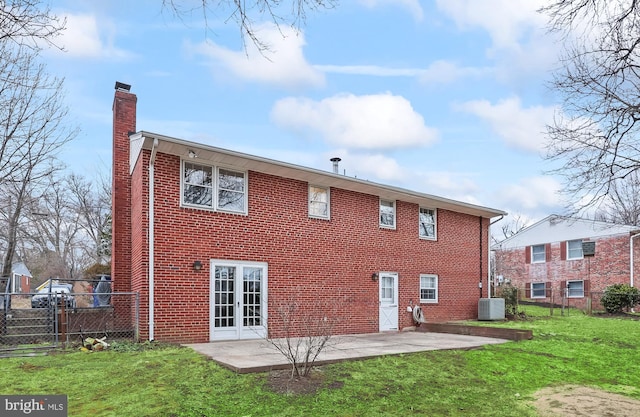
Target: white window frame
<point x="569" y="288"/>
<point x="534" y="289"/>
<point x="544" y="254"/>
<point x="312" y="194"/>
<point x="569" y="250"/>
<point x="215" y="188"/>
<point x="434" y="280"/>
<point x="435" y="224"/>
<point x="393" y="207"/>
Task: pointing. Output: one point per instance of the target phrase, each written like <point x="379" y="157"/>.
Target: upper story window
<point x="388" y="214"/>
<point x="575" y="289"/>
<point x="537" y="253"/>
<point x="574" y="249"/>
<point x="427" y="226"/>
<point x="228" y="192"/>
<point x="428" y="288"/>
<point x="318" y="202"/>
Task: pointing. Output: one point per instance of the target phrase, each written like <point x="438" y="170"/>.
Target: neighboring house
<point x="20" y="278"/>
<point x="220" y="244"/>
<point x="547" y="260"/>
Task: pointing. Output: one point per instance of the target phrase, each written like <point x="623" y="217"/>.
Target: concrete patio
<point x="245" y="356"/>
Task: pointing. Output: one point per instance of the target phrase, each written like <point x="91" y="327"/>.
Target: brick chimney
<point x="124" y="123"/>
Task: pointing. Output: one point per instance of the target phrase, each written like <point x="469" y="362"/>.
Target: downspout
<point x="480" y="282"/>
<point x="631" y="281"/>
<point x="489" y="253"/>
<point x="152" y="159"/>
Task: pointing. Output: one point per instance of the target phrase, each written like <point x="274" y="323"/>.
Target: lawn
<point x="496" y="380"/>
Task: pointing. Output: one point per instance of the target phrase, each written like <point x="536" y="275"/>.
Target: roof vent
<point x="335" y="164"/>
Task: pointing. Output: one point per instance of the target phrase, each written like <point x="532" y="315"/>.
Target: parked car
<point x="53" y="295"/>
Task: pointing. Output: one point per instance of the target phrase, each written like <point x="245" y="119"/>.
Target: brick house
<point x="219" y="243"/>
<point x="548" y="262"/>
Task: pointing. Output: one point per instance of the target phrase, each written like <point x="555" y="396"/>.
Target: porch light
<point x="192" y="154"/>
<point x="197" y="265"/>
<point x="374" y="276"/>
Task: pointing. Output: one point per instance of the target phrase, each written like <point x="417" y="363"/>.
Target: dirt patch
<point x="577" y="401"/>
<point x="282" y="382"/>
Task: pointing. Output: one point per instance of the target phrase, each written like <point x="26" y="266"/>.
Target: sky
<point x="444" y="97"/>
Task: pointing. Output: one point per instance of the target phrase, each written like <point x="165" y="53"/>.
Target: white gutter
<point x="154" y="150"/>
<point x="631" y="258"/>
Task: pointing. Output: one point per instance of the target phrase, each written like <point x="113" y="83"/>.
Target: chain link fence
<point x="54" y="319"/>
<point x="555" y="302"/>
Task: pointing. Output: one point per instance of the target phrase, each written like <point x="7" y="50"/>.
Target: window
<point x="537" y="253"/>
<point x="538" y="290"/>
<point x="228" y="192"/>
<point x="388" y="214"/>
<point x="575" y="289"/>
<point x="318" y="202"/>
<point x="574" y="249"/>
<point x="428" y="288"/>
<point x="427" y="220"/>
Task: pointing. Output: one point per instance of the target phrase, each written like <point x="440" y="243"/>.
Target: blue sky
<point x="446" y="97"/>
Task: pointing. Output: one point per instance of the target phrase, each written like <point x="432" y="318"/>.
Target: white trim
<point x="309" y="201"/>
<point x="544" y="289"/>
<point x="435" y="223"/>
<point x="152" y="160"/>
<point x="395" y="214"/>
<point x="544" y="259"/>
<point x="568" y="251"/>
<point x="575" y="296"/>
<point x="239" y="331"/>
<point x="428" y="300"/>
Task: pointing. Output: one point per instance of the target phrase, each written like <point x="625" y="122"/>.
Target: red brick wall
<point x="316" y="262"/>
<point x="610" y="265"/>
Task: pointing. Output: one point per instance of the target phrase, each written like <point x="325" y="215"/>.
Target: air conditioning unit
<point x="491" y="309"/>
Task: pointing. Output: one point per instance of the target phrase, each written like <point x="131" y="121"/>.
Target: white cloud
<point x="530" y="194"/>
<point x="413" y="6"/>
<point x="86" y="36"/>
<point x="372" y="70"/>
<point x="366" y="122"/>
<point x="446" y="72"/>
<point x="522" y="128"/>
<point x="283" y="64"/>
<point x="520" y="41"/>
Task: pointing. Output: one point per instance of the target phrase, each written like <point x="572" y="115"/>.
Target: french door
<point x="238" y="300"/>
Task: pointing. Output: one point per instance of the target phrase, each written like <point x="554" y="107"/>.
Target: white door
<point x="388" y="301"/>
<point x="238" y="300"/>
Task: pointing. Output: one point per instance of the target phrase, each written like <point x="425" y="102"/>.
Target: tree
<point x="28" y="23"/>
<point x="622" y="205"/>
<point x="595" y="136"/>
<point x="32" y="130"/>
<point x="245" y="14"/>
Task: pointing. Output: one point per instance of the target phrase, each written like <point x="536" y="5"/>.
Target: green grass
<point x="497" y="380"/>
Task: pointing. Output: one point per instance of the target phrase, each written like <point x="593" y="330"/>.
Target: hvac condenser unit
<point x="491" y="309"/>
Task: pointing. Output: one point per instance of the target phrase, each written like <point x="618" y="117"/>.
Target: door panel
<point x="388" y="301"/>
<point x="238" y="300"/>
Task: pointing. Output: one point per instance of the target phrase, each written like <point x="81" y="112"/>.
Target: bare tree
<point x="515" y="224"/>
<point x="32" y="131"/>
<point x="595" y="138"/>
<point x="245" y="14"/>
<point x="622" y="205"/>
<point x="28" y="23"/>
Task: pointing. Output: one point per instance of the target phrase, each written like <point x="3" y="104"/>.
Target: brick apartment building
<point x="220" y="244"/>
<point x="547" y="261"/>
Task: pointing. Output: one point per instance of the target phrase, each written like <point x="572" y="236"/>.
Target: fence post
<point x="552" y="302"/>
<point x="137" y="315"/>
<point x="589" y="304"/>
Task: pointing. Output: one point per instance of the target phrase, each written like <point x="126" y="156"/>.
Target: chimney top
<point x="335" y="161"/>
<point x="122" y="86"/>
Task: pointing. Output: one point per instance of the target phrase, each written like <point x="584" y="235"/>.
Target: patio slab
<point x="245" y="356"/>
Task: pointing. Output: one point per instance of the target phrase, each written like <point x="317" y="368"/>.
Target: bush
<point x="510" y="295"/>
<point x="620" y="297"/>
